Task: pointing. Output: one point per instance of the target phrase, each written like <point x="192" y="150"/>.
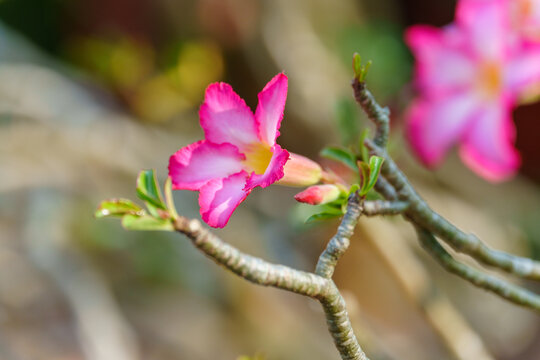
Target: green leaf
<point x="364" y="167"/>
<point x="169" y="198"/>
<point x="322" y="216"/>
<point x="375" y="164"/>
<point x="357" y="65"/>
<point x="354" y="188"/>
<point x="335" y="208"/>
<point x="146" y="222"/>
<point x="360" y="72"/>
<point x="117" y="207"/>
<point x="148" y="190"/>
<point x="364" y="152"/>
<point x="339" y="154"/>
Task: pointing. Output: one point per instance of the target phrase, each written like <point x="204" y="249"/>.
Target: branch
<point x="249" y="267"/>
<point x="264" y="273"/>
<point x="339" y="242"/>
<point x="379" y="115"/>
<point x="420" y="213"/>
<point x="500" y="287"/>
<point x="381" y="207"/>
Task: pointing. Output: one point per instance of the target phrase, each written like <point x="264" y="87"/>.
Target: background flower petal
<point x="269" y="111"/>
<point x="487" y="24"/>
<point x="194" y="165"/>
<point x="434" y="125"/>
<point x="219" y="198"/>
<point x="524" y="71"/>
<point x="273" y="172"/>
<point x="441" y="64"/>
<point x="225" y="117"/>
<point x="487" y="146"/>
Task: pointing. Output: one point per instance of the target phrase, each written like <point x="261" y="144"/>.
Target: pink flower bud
<point x="318" y="194"/>
<point x="300" y="171"/>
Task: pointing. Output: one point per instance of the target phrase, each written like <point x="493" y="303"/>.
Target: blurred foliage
<point x="382" y="43"/>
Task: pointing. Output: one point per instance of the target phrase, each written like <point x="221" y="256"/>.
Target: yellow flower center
<point x="258" y="156"/>
<point x="490" y="78"/>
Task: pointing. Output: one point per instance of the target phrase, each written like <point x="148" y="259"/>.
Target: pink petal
<point x="225" y="117"/>
<point x="220" y="197"/>
<point x="270" y="108"/>
<point x="273" y="172"/>
<point x="434" y="125"/>
<point x="487" y="147"/>
<point x="487" y="24"/>
<point x="194" y="165"/>
<point x="524" y="70"/>
<point x="442" y="63"/>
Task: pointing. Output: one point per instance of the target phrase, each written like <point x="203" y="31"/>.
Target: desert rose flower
<point x="469" y="75"/>
<point x="239" y="151"/>
<point x="318" y="194"/>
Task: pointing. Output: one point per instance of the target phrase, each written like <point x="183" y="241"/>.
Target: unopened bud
<point x="300" y="171"/>
<point x="318" y="194"/>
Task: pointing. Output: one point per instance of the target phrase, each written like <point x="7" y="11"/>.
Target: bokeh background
<point x="93" y="91"/>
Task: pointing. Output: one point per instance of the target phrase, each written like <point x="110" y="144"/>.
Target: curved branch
<point x="420" y="213"/>
<point x="283" y="277"/>
<point x="510" y="292"/>
<point x="340" y="242"/>
<point x="379" y="115"/>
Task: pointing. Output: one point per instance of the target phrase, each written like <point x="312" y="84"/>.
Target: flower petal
<point x="434" y="125"/>
<point x="524" y="70"/>
<point x="270" y="108"/>
<point x="219" y="198"/>
<point x="487" y="24"/>
<point x="194" y="165"/>
<point x="442" y="65"/>
<point x="225" y="117"/>
<point x="273" y="172"/>
<point x="487" y="147"/>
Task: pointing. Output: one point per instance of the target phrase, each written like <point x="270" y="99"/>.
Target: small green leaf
<point x="169" y="198"/>
<point x="146" y="222"/>
<point x="117" y="207"/>
<point x="360" y="72"/>
<point x="364" y="152"/>
<point x="335" y="208"/>
<point x="148" y="190"/>
<point x="322" y="216"/>
<point x="375" y="164"/>
<point x="357" y="65"/>
<point x="341" y="155"/>
<point x="364" y="167"/>
<point x="354" y="188"/>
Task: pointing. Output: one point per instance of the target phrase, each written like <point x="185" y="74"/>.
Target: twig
<point x="510" y="292"/>
<point x="264" y="273"/>
<point x="381" y="207"/>
<point x="379" y="115"/>
<point x="339" y="242"/>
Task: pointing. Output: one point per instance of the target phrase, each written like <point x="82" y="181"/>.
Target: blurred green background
<point x="93" y="91"/>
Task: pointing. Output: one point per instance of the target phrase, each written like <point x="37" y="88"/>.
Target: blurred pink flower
<point x="469" y="75"/>
<point x="239" y="152"/>
<point x="526" y="18"/>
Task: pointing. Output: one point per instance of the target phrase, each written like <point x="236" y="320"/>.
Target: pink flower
<point x="469" y="75"/>
<point x="239" y="152"/>
<point x="526" y="18"/>
<point x="318" y="194"/>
